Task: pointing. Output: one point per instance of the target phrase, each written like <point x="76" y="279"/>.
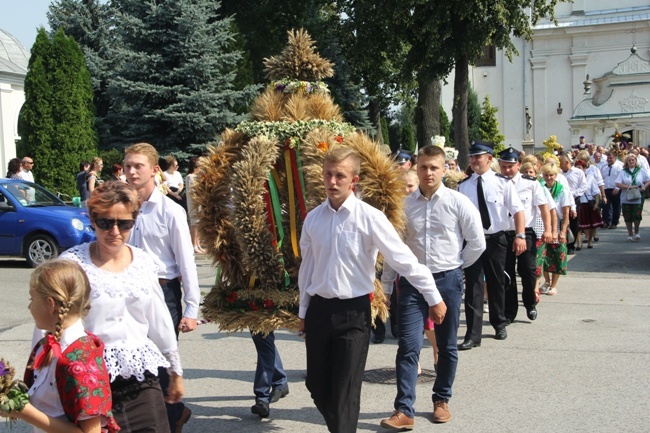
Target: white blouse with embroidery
<point x="129" y="314"/>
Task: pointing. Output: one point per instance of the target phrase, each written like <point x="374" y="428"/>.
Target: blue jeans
<point x="413" y="311"/>
<point x="269" y="373"/>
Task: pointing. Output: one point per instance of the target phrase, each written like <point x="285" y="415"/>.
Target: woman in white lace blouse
<point x="128" y="312"/>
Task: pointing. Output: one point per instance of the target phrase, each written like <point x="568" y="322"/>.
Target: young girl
<point x="69" y="384"/>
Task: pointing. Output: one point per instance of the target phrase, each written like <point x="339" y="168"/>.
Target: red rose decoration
<point x="90" y="380"/>
<point x="268" y="304"/>
<point x="371" y="296"/>
<point x="252" y="306"/>
<point x="323" y="146"/>
<point x="339" y="139"/>
<point x="77" y="368"/>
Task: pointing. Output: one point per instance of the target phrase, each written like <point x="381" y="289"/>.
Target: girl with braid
<point x="69" y="384"/>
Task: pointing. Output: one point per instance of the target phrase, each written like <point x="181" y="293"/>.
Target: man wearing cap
<point x="532" y="196"/>
<point x="405" y="159"/>
<point x="496" y="199"/>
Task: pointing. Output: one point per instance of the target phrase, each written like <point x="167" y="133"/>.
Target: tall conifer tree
<point x="175" y="87"/>
<point x="57" y="119"/>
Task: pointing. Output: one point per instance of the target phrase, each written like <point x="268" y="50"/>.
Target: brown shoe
<point x="398" y="421"/>
<point x="185" y="416"/>
<point x="441" y="412"/>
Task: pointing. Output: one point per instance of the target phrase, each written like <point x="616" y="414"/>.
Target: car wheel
<point x="40" y="249"/>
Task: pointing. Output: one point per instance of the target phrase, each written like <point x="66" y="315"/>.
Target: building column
<point x="539" y="111"/>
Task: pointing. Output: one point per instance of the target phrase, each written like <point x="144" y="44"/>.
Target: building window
<point x="487" y="57"/>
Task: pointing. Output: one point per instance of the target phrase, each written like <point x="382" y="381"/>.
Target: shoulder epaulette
<point x="523" y="176"/>
<point x="467" y="178"/>
<point x="502" y="176"/>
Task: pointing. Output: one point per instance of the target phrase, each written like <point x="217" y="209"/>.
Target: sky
<point x="22" y="18"/>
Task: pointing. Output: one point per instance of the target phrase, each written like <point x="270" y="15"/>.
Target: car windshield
<point x="31" y="195"/>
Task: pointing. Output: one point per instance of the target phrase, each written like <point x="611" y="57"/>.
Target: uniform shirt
<point x="161" y="230"/>
<point x="577" y="181"/>
<point x="339" y="250"/>
<point x="531" y="194"/>
<point x="436" y="229"/>
<point x="610" y="173"/>
<point x="500" y="196"/>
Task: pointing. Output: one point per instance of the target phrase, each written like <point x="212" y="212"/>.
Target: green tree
<point x="90" y="22"/>
<point x="445" y="127"/>
<point x="473" y="115"/>
<point x="57" y="119"/>
<point x="175" y="87"/>
<point x="489" y="128"/>
<point x="384" y="131"/>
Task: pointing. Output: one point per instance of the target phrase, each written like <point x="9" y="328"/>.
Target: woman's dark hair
<point x="194" y="162"/>
<point x="116" y="168"/>
<point x="13" y="166"/>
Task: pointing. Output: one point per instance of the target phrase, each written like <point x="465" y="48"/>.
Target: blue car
<point x="36" y="224"/>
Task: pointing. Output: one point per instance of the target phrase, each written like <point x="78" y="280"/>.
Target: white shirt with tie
<point x="500" y="196"/>
<point x="339" y="249"/>
<point x="436" y="229"/>
<point x="610" y="173"/>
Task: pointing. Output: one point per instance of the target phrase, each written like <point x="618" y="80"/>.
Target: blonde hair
<point x="527" y="166"/>
<point x="95" y="162"/>
<point x="145" y="149"/>
<point x="342" y="153"/>
<point x="67" y="284"/>
<point x="110" y="193"/>
<point x="630" y="155"/>
<point x="550" y="169"/>
<point x="412" y="174"/>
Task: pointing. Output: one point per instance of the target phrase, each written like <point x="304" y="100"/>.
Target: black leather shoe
<point x="468" y="344"/>
<point x="279" y="393"/>
<point x="612" y="227"/>
<point x="509" y="321"/>
<point x="261" y="409"/>
<point x="531" y="313"/>
<point x="378" y="339"/>
<point x="501" y="334"/>
<point x="596" y="239"/>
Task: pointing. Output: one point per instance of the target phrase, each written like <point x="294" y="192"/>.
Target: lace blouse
<point x="128" y="313"/>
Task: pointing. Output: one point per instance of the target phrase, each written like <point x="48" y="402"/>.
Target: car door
<point x="9" y="243"/>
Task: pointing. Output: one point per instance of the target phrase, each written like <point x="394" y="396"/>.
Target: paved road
<point x="582" y="366"/>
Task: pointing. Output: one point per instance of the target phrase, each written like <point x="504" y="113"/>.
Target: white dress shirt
<point x="435" y="232"/>
<point x="565" y="184"/>
<point x="500" y="196"/>
<point x="593" y="172"/>
<point x="531" y="194"/>
<point x="564" y="199"/>
<point x="44" y="393"/>
<point x="128" y="313"/>
<point x="339" y="250"/>
<point x="642" y="162"/>
<point x="577" y="181"/>
<point x="161" y="230"/>
<point x="591" y="191"/>
<point x="610" y="173"/>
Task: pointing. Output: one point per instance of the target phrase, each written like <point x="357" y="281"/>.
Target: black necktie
<point x="482" y="206"/>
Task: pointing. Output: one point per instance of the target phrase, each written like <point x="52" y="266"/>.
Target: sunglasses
<point x="107" y="224"/>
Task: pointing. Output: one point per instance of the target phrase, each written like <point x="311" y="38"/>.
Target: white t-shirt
<point x="174" y="180"/>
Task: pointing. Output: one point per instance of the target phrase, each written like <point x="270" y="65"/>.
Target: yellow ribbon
<point x="251" y="282"/>
<point x="292" y="204"/>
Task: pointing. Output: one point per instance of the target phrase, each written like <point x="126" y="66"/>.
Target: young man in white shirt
<point x="26" y="173"/>
<point x="339" y="244"/>
<point x="161" y="229"/>
<point x="612" y="206"/>
<point x="439" y="221"/>
<point x="578" y="185"/>
<point x="496" y="199"/>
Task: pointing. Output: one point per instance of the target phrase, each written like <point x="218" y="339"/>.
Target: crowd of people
<point x="117" y="302"/>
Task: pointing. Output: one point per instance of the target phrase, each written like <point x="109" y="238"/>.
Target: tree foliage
<point x="445" y="127"/>
<point x="489" y="127"/>
<point x="175" y="85"/>
<point x="57" y="119"/>
<point x="89" y="22"/>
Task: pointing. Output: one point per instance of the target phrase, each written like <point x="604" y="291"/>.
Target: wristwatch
<point x="521" y="235"/>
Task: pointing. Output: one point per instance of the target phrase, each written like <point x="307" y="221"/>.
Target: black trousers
<point x="573" y="226"/>
<point x="491" y="265"/>
<point x="526" y="268"/>
<point x="337" y="348"/>
<point x="173" y="296"/>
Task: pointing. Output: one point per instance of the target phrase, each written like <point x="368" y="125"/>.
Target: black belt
<point x="164" y="281"/>
<point x="514" y="232"/>
<point x="494" y="235"/>
<point x="443" y="273"/>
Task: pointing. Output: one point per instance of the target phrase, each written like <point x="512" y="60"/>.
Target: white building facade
<point x="609" y="41"/>
<point x="14" y="58"/>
